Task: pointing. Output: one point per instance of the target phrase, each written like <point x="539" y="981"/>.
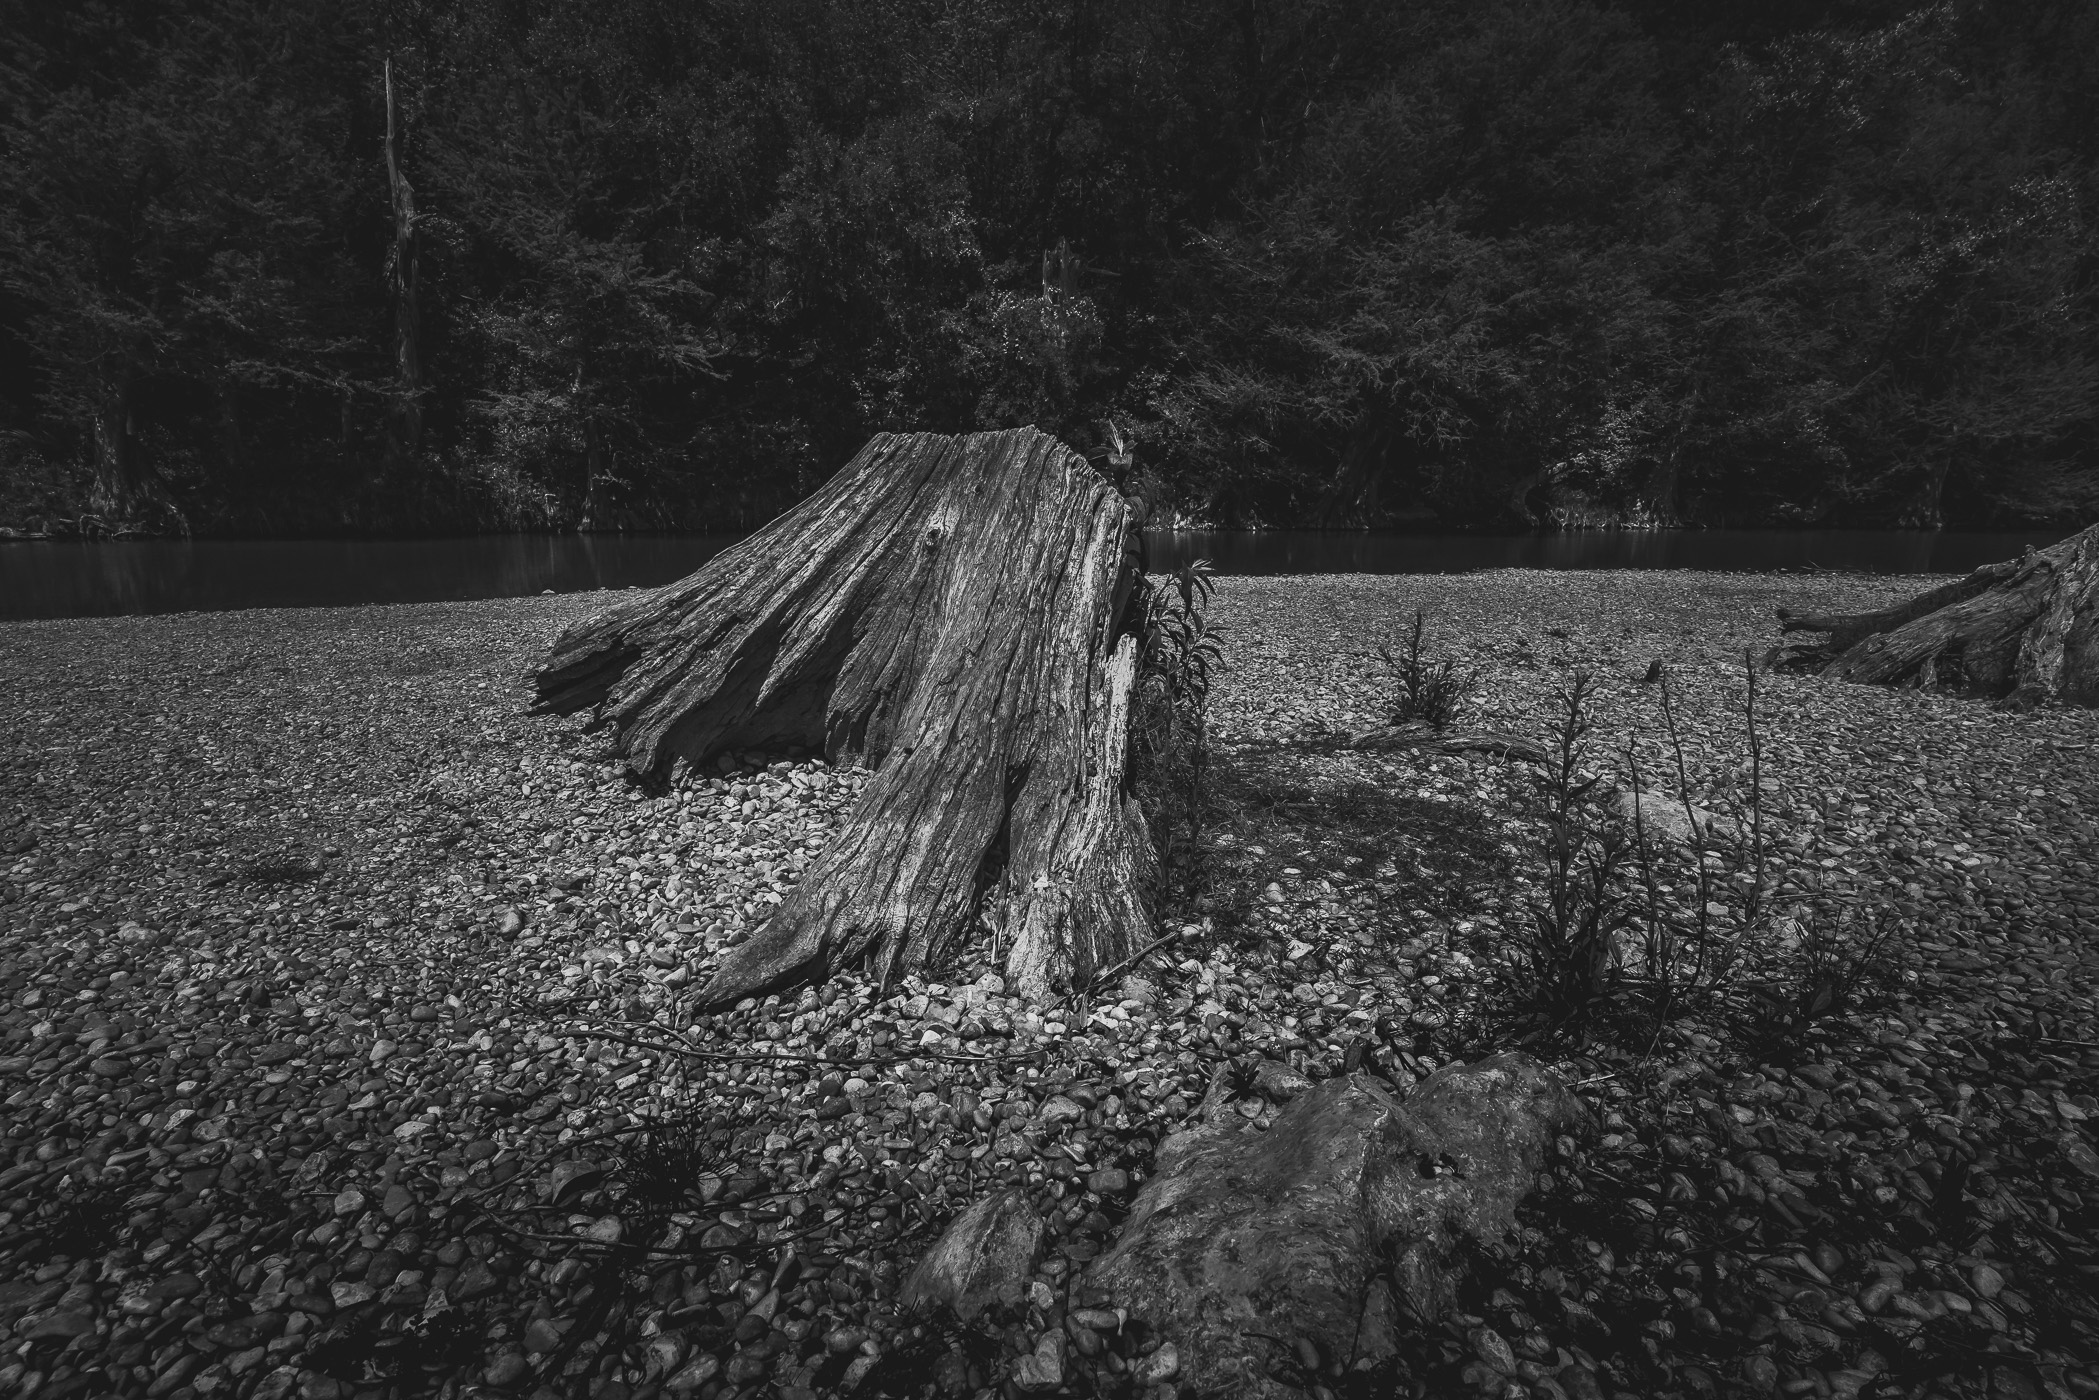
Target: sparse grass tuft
<point x="1692" y="950"/>
<point x="1841" y="958"/>
<point x="1426" y="689"/>
<point x="659" y="1171"/>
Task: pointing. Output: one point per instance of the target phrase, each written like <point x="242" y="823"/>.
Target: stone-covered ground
<point x="343" y="1052"/>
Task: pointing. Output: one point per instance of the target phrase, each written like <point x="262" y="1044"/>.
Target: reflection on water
<point x="41" y="578"/>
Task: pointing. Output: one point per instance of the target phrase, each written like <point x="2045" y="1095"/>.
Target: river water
<point x="40" y="578"/>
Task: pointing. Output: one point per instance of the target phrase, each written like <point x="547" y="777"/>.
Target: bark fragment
<point x="404" y="417"/>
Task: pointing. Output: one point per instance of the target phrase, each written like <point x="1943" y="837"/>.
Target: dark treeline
<point x="347" y="265"/>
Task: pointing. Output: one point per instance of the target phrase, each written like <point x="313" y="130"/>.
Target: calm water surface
<point x="1335" y="552"/>
<point x="52" y="579"/>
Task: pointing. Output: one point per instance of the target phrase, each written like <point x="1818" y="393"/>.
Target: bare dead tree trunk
<point x="948" y="611"/>
<point x="2026" y="629"/>
<point x="231" y="439"/>
<point x="593" y="452"/>
<point x="404" y="419"/>
<point x="592" y="473"/>
<point x="1665" y="482"/>
<point x="125" y="486"/>
<point x="116" y="489"/>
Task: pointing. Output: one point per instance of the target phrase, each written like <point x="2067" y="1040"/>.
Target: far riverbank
<point x="42" y="578"/>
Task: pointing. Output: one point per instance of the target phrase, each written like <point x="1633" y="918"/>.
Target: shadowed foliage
<point x="443" y="264"/>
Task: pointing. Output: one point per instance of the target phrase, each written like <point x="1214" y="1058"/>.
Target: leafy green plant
<point x="1426" y="689"/>
<point x="1567" y="959"/>
<point x="1178" y="647"/>
<point x="1178" y="653"/>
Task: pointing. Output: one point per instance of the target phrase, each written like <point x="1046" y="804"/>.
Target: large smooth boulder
<point x="1343" y="1218"/>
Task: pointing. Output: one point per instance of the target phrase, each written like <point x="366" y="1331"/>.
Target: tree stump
<point x="949" y="611"/>
<point x="2026" y="629"/>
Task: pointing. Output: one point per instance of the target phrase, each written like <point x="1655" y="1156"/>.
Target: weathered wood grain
<point x="2026" y="630"/>
<point x="948" y="611"/>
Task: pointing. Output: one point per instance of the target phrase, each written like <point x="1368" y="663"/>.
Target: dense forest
<point x="298" y="266"/>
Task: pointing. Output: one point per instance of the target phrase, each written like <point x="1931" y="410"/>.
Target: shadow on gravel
<point x="1700" y="1253"/>
<point x="264" y="872"/>
<point x="83" y="1224"/>
<point x="1277" y="809"/>
<point x="425" y="661"/>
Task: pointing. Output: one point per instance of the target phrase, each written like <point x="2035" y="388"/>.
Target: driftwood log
<point x="2026" y="629"/>
<point x="1431" y="740"/>
<point x="948" y="611"/>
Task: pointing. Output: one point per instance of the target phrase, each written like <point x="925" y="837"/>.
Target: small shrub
<point x="1623" y="921"/>
<point x="1716" y="948"/>
<point x="1836" y="966"/>
<point x="660" y="1171"/>
<point x="1566" y="958"/>
<point x="1692" y="950"/>
<point x="1426" y="689"/>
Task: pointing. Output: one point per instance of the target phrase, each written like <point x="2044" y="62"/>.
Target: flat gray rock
<point x="1664" y="817"/>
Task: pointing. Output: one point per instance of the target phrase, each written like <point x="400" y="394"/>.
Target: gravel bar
<point x="344" y="1051"/>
